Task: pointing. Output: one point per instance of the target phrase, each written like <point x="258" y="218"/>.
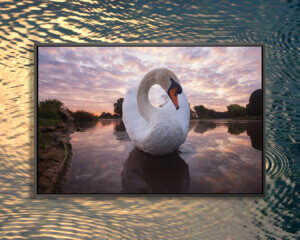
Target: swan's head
<point x="170" y="83"/>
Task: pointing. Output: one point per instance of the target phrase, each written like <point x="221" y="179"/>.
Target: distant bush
<point x="52" y="113"/>
<point x="221" y="114"/>
<point x="106" y="115"/>
<point x="51" y="103"/>
<point x="235" y="110"/>
<point x="49" y="109"/>
<point x="116" y="116"/>
<point x="203" y="112"/>
<point x="118" y="106"/>
<point x="83" y="116"/>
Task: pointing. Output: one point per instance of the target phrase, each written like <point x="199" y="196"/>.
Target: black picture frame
<point x="55" y="195"/>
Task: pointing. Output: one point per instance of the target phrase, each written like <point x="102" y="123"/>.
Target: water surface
<point x="218" y="156"/>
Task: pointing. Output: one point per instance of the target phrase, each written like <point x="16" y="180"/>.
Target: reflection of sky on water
<point x="97" y="159"/>
<point x="219" y="156"/>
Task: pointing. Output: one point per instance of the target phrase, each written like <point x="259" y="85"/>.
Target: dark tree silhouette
<point x="254" y="107"/>
<point x="192" y="114"/>
<point x="221" y="114"/>
<point x="51" y="103"/>
<point x="50" y="109"/>
<point x="105" y="115"/>
<point x="118" y="106"/>
<point x="236" y="110"/>
<point x="203" y="112"/>
<point x="83" y="116"/>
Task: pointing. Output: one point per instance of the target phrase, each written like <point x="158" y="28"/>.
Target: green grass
<point x="48" y="122"/>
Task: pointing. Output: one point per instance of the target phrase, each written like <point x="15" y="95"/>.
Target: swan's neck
<point x="144" y="106"/>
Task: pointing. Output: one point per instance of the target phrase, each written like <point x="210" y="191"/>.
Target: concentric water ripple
<point x="274" y="217"/>
<point x="277" y="162"/>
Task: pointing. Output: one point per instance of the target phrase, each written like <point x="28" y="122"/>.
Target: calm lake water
<point x="218" y="156"/>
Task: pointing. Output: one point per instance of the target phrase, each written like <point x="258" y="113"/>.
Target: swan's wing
<point x="135" y="124"/>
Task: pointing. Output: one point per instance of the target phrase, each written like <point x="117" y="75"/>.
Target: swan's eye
<point x="179" y="89"/>
<point x="175" y="85"/>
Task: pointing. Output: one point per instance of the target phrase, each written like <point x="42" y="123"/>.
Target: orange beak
<point x="173" y="95"/>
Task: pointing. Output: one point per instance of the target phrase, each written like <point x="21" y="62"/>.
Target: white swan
<point x="157" y="130"/>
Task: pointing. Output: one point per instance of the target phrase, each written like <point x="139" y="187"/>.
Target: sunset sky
<point x="93" y="78"/>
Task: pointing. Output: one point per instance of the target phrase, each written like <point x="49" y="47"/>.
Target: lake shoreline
<point x="54" y="158"/>
<point x="198" y="119"/>
<point x="54" y="155"/>
<point x="226" y="120"/>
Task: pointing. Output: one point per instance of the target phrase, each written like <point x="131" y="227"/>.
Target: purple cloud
<point x="93" y="78"/>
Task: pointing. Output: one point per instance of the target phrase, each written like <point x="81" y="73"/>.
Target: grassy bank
<point x="49" y="122"/>
<point x="55" y="124"/>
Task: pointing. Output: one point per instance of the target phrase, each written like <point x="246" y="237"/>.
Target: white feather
<point x="166" y="129"/>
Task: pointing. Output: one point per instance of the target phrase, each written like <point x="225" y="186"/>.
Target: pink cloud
<point x="93" y="78"/>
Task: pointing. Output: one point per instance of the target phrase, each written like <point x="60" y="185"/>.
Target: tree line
<point x="54" y="112"/>
<point x="117" y="111"/>
<point x="253" y="109"/>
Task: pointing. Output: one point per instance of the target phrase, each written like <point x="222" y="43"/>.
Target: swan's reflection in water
<point x="144" y="173"/>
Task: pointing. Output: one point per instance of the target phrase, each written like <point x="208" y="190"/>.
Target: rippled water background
<point x="274" y="23"/>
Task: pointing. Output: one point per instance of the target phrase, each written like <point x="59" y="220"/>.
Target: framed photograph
<point x="184" y="119"/>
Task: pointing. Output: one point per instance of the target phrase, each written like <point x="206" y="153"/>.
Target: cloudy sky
<point x="93" y="78"/>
